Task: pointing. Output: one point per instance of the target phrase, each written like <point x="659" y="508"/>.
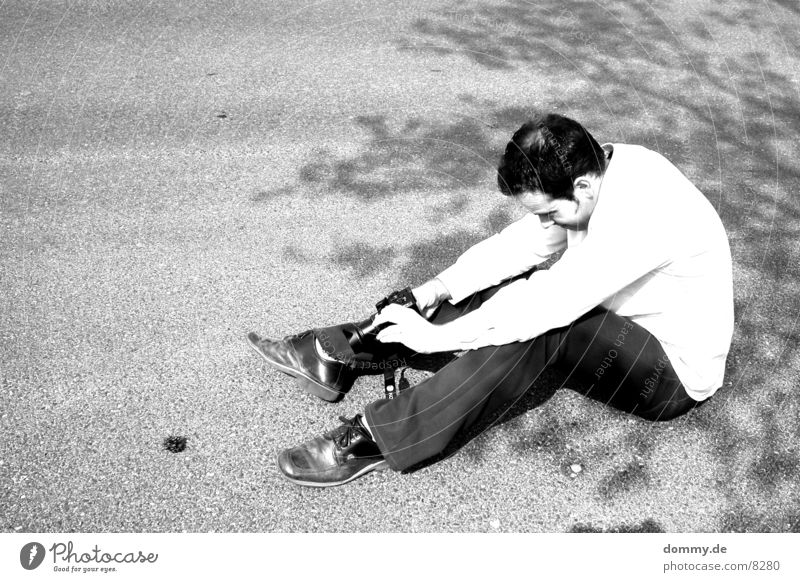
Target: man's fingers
<point x="383" y="317"/>
<point x="408" y="324"/>
<point x="388" y="335"/>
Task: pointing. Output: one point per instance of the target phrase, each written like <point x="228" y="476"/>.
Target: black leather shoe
<point x="297" y="356"/>
<point x="335" y="458"/>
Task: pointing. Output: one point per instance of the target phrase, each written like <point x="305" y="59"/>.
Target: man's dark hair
<point x="547" y="154"/>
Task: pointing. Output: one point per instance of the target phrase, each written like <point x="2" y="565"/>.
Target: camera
<point x="404" y="297"/>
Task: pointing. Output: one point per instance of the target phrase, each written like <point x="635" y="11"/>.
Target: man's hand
<point x="413" y="331"/>
<point x="429" y="295"/>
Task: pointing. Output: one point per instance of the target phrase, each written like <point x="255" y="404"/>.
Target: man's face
<point x="570" y="214"/>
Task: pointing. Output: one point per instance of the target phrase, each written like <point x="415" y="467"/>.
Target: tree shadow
<point x="362" y="259"/>
<point x="427" y="259"/>
<point x="418" y="261"/>
<point x="405" y="156"/>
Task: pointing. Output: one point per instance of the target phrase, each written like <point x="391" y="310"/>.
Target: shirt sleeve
<point x="584" y="277"/>
<point x="514" y="250"/>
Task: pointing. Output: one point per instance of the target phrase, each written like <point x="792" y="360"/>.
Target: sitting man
<point x="638" y="311"/>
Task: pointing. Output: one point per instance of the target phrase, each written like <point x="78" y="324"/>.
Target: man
<point x="638" y="311"/>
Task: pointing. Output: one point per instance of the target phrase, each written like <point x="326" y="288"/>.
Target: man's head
<point x="553" y="166"/>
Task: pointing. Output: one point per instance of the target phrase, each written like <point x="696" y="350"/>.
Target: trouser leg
<point x="615" y="361"/>
<point x="612" y="359"/>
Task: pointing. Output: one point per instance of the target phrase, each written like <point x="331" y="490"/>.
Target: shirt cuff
<point x="458" y="284"/>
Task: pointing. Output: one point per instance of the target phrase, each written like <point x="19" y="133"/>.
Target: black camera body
<point x="403" y="297"/>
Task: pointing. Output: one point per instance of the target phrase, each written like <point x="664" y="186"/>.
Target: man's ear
<point x="584" y="188"/>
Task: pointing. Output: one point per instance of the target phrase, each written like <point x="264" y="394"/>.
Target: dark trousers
<point x="609" y="357"/>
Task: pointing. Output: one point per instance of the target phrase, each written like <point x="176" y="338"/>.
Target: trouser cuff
<point x="374" y="427"/>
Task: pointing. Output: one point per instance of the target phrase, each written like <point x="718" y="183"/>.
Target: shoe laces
<point x="351" y="428"/>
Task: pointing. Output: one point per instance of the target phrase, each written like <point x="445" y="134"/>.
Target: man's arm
<point x="582" y="279"/>
<point x="514" y="250"/>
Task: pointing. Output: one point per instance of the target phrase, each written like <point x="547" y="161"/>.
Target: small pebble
<point x="576" y="468"/>
<point x="175" y="444"/>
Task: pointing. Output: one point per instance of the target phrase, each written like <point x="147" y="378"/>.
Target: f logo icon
<point x="31" y="555"/>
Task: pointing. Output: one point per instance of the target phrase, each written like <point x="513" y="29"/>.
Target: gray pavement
<point x="173" y="176"/>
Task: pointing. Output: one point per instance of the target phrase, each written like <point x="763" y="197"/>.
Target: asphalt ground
<point x="175" y="175"/>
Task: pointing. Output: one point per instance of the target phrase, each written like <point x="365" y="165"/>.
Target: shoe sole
<point x="378" y="466"/>
<point x="305" y="381"/>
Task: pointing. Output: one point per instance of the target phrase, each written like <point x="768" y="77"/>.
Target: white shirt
<point x="654" y="251"/>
